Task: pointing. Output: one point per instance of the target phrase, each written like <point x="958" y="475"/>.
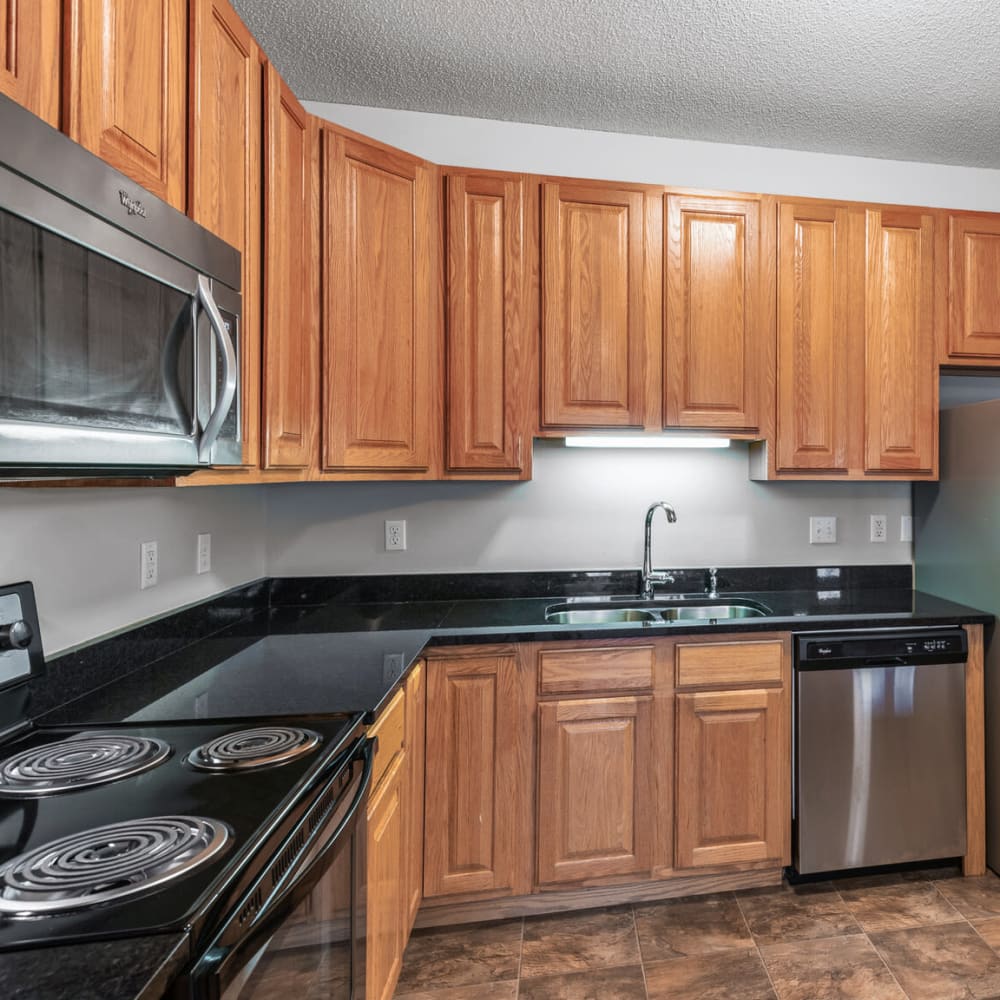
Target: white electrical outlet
<point x="149" y="567"/>
<point x="822" y="530"/>
<point x="879" y="528"/>
<point x="906" y="528"/>
<point x="395" y="536"/>
<point x="204" y="560"/>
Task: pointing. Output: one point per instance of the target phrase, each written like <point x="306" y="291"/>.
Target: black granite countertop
<point x="139" y="968"/>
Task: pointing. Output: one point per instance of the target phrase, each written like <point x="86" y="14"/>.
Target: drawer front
<point x="608" y="668"/>
<point x="729" y="663"/>
<point x="390" y="728"/>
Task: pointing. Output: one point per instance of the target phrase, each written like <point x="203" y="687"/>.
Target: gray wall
<point x="582" y="509"/>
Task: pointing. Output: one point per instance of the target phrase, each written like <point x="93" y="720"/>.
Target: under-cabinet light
<point x="646" y="441"/>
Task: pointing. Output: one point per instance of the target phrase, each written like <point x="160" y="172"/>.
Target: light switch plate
<point x="822" y="530"/>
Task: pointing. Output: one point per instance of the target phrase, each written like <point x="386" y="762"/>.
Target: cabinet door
<point x="225" y="169"/>
<point x="489" y="347"/>
<point x="30" y="56"/>
<point x="594" y="352"/>
<point x="127" y="86"/>
<point x="814" y="338"/>
<point x="382" y="335"/>
<point x="290" y="375"/>
<point x="386" y="872"/>
<point x="478" y="777"/>
<point x="594" y="788"/>
<point x="715" y="322"/>
<point x="900" y="373"/>
<point x="974" y="274"/>
<point x="732" y="767"/>
<point x="416" y="706"/>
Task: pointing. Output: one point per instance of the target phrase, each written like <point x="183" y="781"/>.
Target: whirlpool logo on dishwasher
<point x="134" y="206"/>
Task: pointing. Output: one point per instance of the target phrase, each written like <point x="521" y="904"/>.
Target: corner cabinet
<point x="30" y="56"/>
<point x="491" y="253"/>
<point x="290" y="352"/>
<point x="382" y="309"/>
<point x="600" y="362"/>
<point x="126" y="88"/>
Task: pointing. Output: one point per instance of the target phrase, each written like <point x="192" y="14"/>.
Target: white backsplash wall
<point x="80" y="548"/>
<point x="584" y="509"/>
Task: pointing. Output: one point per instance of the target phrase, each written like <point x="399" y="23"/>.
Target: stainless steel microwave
<point x="119" y="320"/>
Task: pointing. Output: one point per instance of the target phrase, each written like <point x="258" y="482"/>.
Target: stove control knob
<point x="16" y="635"/>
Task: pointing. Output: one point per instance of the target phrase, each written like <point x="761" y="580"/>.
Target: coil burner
<point x="107" y="863"/>
<point x="78" y="762"/>
<point x="268" y="746"/>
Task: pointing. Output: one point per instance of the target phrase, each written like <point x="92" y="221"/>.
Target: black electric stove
<point x="216" y="828"/>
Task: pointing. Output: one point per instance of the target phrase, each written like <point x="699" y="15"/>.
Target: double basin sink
<point x="588" y="611"/>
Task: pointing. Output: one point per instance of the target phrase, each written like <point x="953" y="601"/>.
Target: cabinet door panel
<point x="30" y="56"/>
<point x="593" y="324"/>
<point x="226" y="119"/>
<point x="488" y="349"/>
<point x="731" y="761"/>
<point x="126" y="95"/>
<point x="380" y="332"/>
<point x="714" y="319"/>
<point x="813" y="338"/>
<point x="416" y="715"/>
<point x="901" y="377"/>
<point x="974" y="249"/>
<point x="594" y="803"/>
<point x="291" y="297"/>
<point x="477" y="777"/>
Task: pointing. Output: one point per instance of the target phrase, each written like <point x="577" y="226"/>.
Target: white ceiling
<point x="902" y="79"/>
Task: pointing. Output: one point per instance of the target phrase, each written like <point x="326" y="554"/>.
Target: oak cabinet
<point x="716" y="319"/>
<point x="382" y="330"/>
<point x="478" y="774"/>
<point x="490" y="329"/>
<point x="290" y="351"/>
<point x="224" y="147"/>
<point x="732" y="777"/>
<point x="974" y="287"/>
<point x="416" y="715"/>
<point x="30" y="55"/>
<point x="595" y="767"/>
<point x="126" y="87"/>
<point x="600" y="296"/>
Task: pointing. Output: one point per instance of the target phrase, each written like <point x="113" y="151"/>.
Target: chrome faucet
<point x="649" y="577"/>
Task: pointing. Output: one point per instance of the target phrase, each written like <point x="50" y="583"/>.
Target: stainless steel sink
<point x="597" y="616"/>
<point x="581" y="611"/>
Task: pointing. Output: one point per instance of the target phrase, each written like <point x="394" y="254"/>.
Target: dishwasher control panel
<point x="818" y="651"/>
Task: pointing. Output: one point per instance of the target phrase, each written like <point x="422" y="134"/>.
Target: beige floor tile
<point x="696" y="925"/>
<point x="594" y="984"/>
<point x="572" y="942"/>
<point x="789" y="914"/>
<point x="734" y="975"/>
<point x="907" y="904"/>
<point x="975" y="898"/>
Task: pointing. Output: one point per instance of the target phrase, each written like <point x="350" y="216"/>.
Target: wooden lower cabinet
<point x="595" y="768"/>
<point x="416" y="715"/>
<point x="477" y="822"/>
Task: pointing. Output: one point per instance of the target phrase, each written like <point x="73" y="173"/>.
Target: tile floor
<point x="927" y="935"/>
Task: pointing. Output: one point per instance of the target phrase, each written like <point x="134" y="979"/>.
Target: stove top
<point x="160" y="843"/>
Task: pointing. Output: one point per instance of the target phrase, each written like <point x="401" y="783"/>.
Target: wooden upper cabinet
<point x="814" y="412"/>
<point x="125" y="89"/>
<point x="224" y="171"/>
<point x="974" y="287"/>
<point x="382" y="335"/>
<point x="715" y="313"/>
<point x="291" y="263"/>
<point x="595" y="297"/>
<point x="595" y="798"/>
<point x="901" y="377"/>
<point x="30" y="56"/>
<point x="489" y="328"/>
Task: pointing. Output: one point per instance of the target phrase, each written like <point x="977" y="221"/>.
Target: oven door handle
<point x="229" y="370"/>
<point x="210" y="971"/>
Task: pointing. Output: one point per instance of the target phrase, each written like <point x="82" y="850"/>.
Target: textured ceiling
<point x="906" y="79"/>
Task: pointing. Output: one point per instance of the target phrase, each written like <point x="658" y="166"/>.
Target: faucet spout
<point x="649" y="577"/>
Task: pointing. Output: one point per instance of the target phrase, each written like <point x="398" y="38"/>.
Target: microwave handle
<point x="229" y="373"/>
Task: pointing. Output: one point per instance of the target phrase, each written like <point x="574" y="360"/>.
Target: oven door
<point x="306" y="938"/>
<point x="115" y="356"/>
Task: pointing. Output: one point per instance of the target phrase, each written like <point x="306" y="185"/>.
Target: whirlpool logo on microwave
<point x="134" y="206"/>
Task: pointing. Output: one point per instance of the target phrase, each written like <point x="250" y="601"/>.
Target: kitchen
<point x="80" y="545"/>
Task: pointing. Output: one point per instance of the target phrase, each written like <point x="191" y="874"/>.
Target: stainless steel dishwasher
<point x="879" y="747"/>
